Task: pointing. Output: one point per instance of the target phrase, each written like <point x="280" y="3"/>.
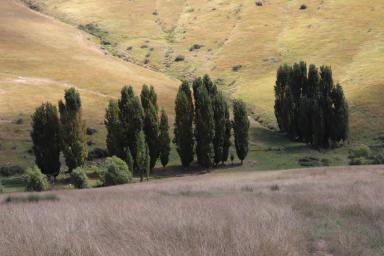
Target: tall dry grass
<point x="336" y="211"/>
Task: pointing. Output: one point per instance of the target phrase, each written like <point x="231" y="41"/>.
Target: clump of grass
<point x="32" y="198"/>
<point x="303" y="7"/>
<point x="259" y="3"/>
<point x="195" y="47"/>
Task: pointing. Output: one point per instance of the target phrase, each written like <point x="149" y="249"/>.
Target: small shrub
<point x="357" y="161"/>
<point x="79" y="178"/>
<point x="91" y="131"/>
<point x="378" y="158"/>
<point x="19" y="121"/>
<point x="146" y="61"/>
<point x="179" y="58"/>
<point x="97" y="153"/>
<point x="35" y="180"/>
<point x="195" y="47"/>
<point x="236" y="68"/>
<point x="360" y="151"/>
<point x="155" y="13"/>
<point x="116" y="172"/>
<point x="32" y="198"/>
<point x="259" y="3"/>
<point x="129" y="48"/>
<point x="144" y="46"/>
<point x="303" y="7"/>
<point x="275" y="187"/>
<point x="7" y="171"/>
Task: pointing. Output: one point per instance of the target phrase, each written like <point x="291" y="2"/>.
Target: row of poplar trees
<point x="203" y="126"/>
<point x="52" y="134"/>
<point x="134" y="131"/>
<point x="309" y="107"/>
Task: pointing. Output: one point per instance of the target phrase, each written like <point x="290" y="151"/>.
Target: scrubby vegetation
<point x="115" y="172"/>
<point x="79" y="178"/>
<point x="35" y="180"/>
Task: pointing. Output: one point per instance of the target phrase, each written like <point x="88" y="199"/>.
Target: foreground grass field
<point x="321" y="211"/>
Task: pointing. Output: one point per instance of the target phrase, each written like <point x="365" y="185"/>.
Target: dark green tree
<point x="46" y="139"/>
<point x="280" y="88"/>
<point x="183" y="130"/>
<point x="340" y="116"/>
<point x="219" y="106"/>
<point x="151" y="123"/>
<point x="227" y="135"/>
<point x="164" y="139"/>
<point x="204" y="127"/>
<point x="142" y="156"/>
<point x="131" y="120"/>
<point x="72" y="130"/>
<point x="114" y="131"/>
<point x="240" y="129"/>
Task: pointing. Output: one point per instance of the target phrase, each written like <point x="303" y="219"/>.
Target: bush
<point x="236" y="68"/>
<point x="259" y="3"/>
<point x="7" y="171"/>
<point x="357" y="161"/>
<point x="91" y="131"/>
<point x="116" y="172"/>
<point x="360" y="151"/>
<point x="79" y="178"/>
<point x="35" y="180"/>
<point x="97" y="153"/>
<point x="179" y="58"/>
<point x="303" y="7"/>
<point x="378" y="158"/>
<point x="195" y="47"/>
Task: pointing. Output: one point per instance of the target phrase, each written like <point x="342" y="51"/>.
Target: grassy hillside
<point x="331" y="211"/>
<point x="347" y="34"/>
<point x="40" y="57"/>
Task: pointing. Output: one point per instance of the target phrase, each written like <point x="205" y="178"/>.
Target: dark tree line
<point x="203" y="126"/>
<point x="309" y="107"/>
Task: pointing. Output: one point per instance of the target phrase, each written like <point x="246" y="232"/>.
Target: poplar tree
<point x="142" y="156"/>
<point x="46" y="139"/>
<point x="183" y="130"/>
<point x="240" y="129"/>
<point x="340" y="119"/>
<point x="204" y="127"/>
<point x="112" y="123"/>
<point x="219" y="108"/>
<point x="227" y="135"/>
<point x="164" y="139"/>
<point x="131" y="120"/>
<point x="73" y="132"/>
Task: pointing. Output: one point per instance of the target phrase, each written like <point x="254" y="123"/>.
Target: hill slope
<point x="347" y="34"/>
<point x="40" y="57"/>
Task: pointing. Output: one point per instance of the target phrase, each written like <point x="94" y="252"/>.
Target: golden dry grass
<point x="346" y="34"/>
<point x="41" y="57"/>
<point x="321" y="211"/>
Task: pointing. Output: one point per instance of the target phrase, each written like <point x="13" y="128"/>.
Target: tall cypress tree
<point x="227" y="135"/>
<point x="131" y="119"/>
<point x="240" y="129"/>
<point x="204" y="127"/>
<point x="183" y="130"/>
<point x="114" y="132"/>
<point x="164" y="139"/>
<point x="340" y="120"/>
<point x="73" y="132"/>
<point x="151" y="123"/>
<point x="280" y="88"/>
<point x="142" y="156"/>
<point x="219" y="108"/>
<point x="46" y="139"/>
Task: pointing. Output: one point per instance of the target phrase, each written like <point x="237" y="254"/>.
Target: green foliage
<point x="142" y="157"/>
<point x="131" y="120"/>
<point x="308" y="107"/>
<point x="164" y="139"/>
<point x="219" y="105"/>
<point x="151" y="123"/>
<point x="116" y="172"/>
<point x="32" y="198"/>
<point x="227" y="135"/>
<point x="79" y="178"/>
<point x="7" y="171"/>
<point x="1" y="187"/>
<point x="73" y="131"/>
<point x="183" y="130"/>
<point x="35" y="180"/>
<point x="204" y="127"/>
<point x="360" y="151"/>
<point x="114" y="133"/>
<point x="240" y="129"/>
<point x="46" y="139"/>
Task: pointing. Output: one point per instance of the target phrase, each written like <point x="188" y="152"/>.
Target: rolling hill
<point x="40" y="57"/>
<point x="241" y="44"/>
